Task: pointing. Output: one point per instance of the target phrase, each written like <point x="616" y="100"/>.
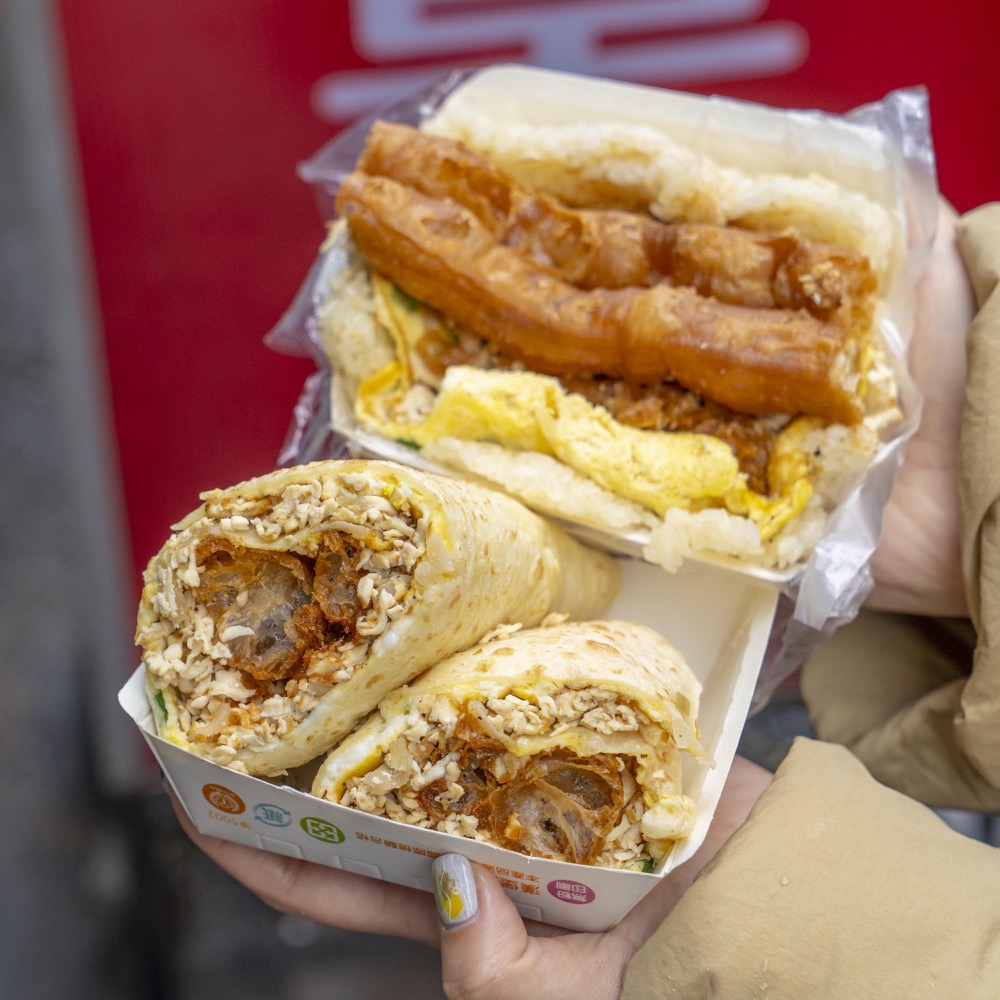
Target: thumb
<point x="485" y="948"/>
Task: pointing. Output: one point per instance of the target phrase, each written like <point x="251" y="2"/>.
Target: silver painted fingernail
<point x="454" y="890"/>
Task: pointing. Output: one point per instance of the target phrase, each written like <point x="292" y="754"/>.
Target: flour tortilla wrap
<point x="284" y="609"/>
<point x="562" y="742"/>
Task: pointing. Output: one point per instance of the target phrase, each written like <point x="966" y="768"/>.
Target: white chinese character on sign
<point x="665" y="42"/>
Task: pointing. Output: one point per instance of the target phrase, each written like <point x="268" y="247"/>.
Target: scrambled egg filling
<point x="525" y="411"/>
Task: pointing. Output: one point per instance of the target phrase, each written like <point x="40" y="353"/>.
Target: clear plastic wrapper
<point x="885" y="151"/>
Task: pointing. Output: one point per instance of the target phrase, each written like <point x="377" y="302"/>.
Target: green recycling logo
<point x="320" y="829"/>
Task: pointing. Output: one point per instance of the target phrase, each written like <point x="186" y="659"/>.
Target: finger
<point x="945" y="306"/>
<point x="483" y="939"/>
<point x="327" y="895"/>
<point x="487" y="952"/>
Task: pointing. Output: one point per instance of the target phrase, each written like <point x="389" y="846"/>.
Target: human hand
<point x="917" y="566"/>
<point x="494" y="953"/>
<point x="327" y="895"/>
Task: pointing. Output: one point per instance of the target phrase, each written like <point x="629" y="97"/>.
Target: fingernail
<point x="454" y="890"/>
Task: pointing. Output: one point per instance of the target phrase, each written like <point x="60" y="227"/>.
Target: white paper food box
<point x="720" y="621"/>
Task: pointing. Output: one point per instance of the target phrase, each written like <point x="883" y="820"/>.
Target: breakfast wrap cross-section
<point x="282" y="610"/>
<point x="562" y="742"/>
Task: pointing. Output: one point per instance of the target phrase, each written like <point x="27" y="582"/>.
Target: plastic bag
<point x="830" y="588"/>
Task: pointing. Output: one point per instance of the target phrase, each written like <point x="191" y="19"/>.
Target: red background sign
<point x="192" y="116"/>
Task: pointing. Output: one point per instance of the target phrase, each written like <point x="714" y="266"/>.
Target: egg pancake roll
<point x="283" y="609"/>
<point x="562" y="742"/>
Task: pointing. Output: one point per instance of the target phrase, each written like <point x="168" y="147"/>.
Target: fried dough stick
<point x="550" y="805"/>
<point x="751" y="360"/>
<point x="613" y="249"/>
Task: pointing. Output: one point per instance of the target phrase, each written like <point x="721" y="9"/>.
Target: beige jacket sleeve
<point x="834" y="887"/>
<point x="918" y="701"/>
<point x="838" y="886"/>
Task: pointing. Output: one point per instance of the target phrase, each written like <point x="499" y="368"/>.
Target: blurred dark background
<point x="152" y="230"/>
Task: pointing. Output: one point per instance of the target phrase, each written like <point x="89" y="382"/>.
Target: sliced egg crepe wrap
<point x="283" y="609"/>
<point x="562" y="742"/>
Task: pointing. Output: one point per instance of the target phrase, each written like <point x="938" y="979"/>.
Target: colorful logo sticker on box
<point x="271" y="815"/>
<point x="322" y="830"/>
<point x="224" y="799"/>
<point x="571" y="892"/>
